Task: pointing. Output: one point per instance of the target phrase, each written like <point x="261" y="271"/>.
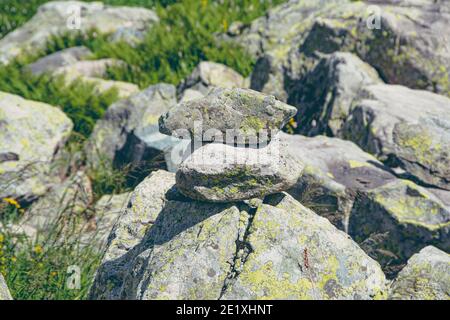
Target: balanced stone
<point x="223" y="173"/>
<point x="223" y="112"/>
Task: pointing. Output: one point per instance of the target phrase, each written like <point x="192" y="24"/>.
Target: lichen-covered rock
<point x="395" y="220"/>
<point x="290" y="38"/>
<point x="223" y="173"/>
<point x="389" y="217"/>
<point x="326" y="93"/>
<point x="226" y="113"/>
<point x="59" y="59"/>
<point x="165" y="246"/>
<point x="104" y="216"/>
<point x="31" y="136"/>
<point x="405" y="128"/>
<point x="128" y="132"/>
<point x="211" y="74"/>
<point x="63" y="202"/>
<point x="60" y="17"/>
<point x="425" y="277"/>
<point x="4" y="291"/>
<point x="335" y="172"/>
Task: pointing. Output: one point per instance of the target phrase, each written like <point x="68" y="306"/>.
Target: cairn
<point x="236" y="153"/>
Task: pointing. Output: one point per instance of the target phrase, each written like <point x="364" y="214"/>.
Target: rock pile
<point x="250" y="163"/>
<point x="222" y="228"/>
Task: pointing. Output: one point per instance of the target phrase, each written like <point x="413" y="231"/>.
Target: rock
<point x="106" y="213"/>
<point x="59" y="59"/>
<point x="190" y="94"/>
<point x="164" y="247"/>
<point x="325" y="95"/>
<point x="4" y="291"/>
<point x="65" y="202"/>
<point x="222" y="173"/>
<point x="89" y="68"/>
<point x="226" y="113"/>
<point x="211" y="74"/>
<point x="389" y="217"/>
<point x="335" y="172"/>
<point x="405" y="128"/>
<point x="31" y="137"/>
<point x="128" y="132"/>
<point x="289" y="39"/>
<point x="60" y="17"/>
<point x="395" y="220"/>
<point x="426" y="277"/>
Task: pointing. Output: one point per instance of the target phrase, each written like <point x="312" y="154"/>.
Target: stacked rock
<point x="237" y="154"/>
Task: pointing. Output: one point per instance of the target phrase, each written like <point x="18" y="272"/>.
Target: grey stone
<point x="57" y="17"/>
<point x="225" y="113"/>
<point x="425" y="277"/>
<point x="223" y="173"/>
<point x="4" y="291"/>
<point x="164" y="247"/>
<point x="32" y="135"/>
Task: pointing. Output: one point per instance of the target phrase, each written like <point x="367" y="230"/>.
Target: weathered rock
<point x="65" y="202"/>
<point x="405" y="128"/>
<point x="211" y="74"/>
<point x="226" y="113"/>
<point x="59" y="59"/>
<point x="165" y="247"/>
<point x="426" y="277"/>
<point x="4" y="291"/>
<point x="31" y="136"/>
<point x="395" y="220"/>
<point x="89" y="68"/>
<point x="325" y="95"/>
<point x="336" y="171"/>
<point x="389" y="217"/>
<point x="411" y="37"/>
<point x="190" y="94"/>
<point x="60" y="17"/>
<point x="128" y="132"/>
<point x="106" y="213"/>
<point x="223" y="173"/>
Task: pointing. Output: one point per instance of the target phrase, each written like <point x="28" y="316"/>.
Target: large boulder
<point x="32" y="135"/>
<point x="166" y="246"/>
<point x="60" y="17"/>
<point x="59" y="59"/>
<point x="404" y="128"/>
<point x="290" y="38"/>
<point x="389" y="217"/>
<point x="65" y="202"/>
<point x="4" y="291"/>
<point x="211" y="74"/>
<point x="128" y="133"/>
<point x="426" y="277"/>
<point x="325" y="94"/>
<point x="223" y="173"/>
<point x="226" y="113"/>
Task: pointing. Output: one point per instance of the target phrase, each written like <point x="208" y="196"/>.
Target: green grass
<point x="186" y="35"/>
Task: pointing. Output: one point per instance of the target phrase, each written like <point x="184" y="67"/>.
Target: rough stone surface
<point x="242" y="111"/>
<point x="389" y="217"/>
<point x="31" y="136"/>
<point x="289" y="39"/>
<point x="66" y="201"/>
<point x="426" y="277"/>
<point x="128" y="132"/>
<point x="405" y="128"/>
<point x="55" y="17"/>
<point x="223" y="173"/>
<point x="59" y="59"/>
<point x="4" y="291"/>
<point x="399" y="218"/>
<point x="211" y="74"/>
<point x="326" y="93"/>
<point x="167" y="247"/>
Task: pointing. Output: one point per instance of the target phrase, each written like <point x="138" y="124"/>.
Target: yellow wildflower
<point x="225" y="25"/>
<point x="12" y="201"/>
<point x="53" y="273"/>
<point x="2" y="238"/>
<point x="38" y="249"/>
